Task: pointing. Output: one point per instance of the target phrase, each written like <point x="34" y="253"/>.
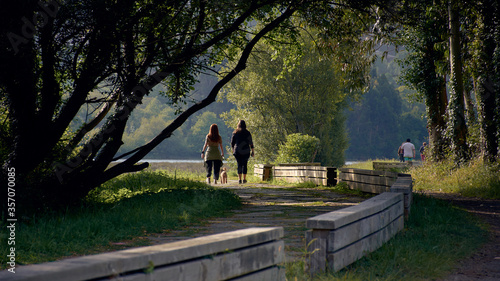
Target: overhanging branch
<point x="142" y="151"/>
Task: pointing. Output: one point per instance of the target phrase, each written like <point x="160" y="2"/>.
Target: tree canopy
<point x="307" y="97"/>
<point x="60" y="56"/>
<point x="459" y="40"/>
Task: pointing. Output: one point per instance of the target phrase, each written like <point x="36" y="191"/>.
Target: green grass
<point x="436" y="236"/>
<point x="475" y="179"/>
<point x="123" y="210"/>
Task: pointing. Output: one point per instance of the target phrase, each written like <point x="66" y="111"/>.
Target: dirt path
<point x="270" y="206"/>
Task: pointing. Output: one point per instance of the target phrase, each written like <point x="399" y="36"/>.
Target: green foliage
<point x="122" y="210"/>
<point x="298" y="148"/>
<point x="277" y="99"/>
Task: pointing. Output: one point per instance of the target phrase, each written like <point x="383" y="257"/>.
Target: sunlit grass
<point x="123" y="210"/>
<point x="475" y="179"/>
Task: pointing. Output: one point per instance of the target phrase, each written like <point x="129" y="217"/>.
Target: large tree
<point x="456" y="108"/>
<point x="59" y="56"/>
<point x="484" y="54"/>
<point x="471" y="39"/>
<point x="309" y="97"/>
<point x="423" y="70"/>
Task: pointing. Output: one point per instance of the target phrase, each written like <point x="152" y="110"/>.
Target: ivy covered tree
<point x="468" y="33"/>
<point x="424" y="70"/>
<point x="483" y="37"/>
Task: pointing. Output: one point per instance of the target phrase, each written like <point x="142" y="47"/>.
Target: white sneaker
<point x="208" y="180"/>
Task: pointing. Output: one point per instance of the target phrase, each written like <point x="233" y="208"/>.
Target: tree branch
<point x="167" y="132"/>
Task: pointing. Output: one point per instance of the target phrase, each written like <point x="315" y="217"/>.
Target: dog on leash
<point x="223" y="176"/>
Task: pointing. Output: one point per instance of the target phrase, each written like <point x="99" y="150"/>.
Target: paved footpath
<point x="267" y="205"/>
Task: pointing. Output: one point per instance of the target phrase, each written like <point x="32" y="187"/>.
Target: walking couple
<point x="213" y="151"/>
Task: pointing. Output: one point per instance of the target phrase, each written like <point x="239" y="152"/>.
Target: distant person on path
<point x="422" y="150"/>
<point x="408" y="151"/>
<point x="242" y="145"/>
<point x="401" y="154"/>
<point x="213" y="156"/>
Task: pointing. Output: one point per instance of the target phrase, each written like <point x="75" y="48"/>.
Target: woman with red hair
<point x="213" y="156"/>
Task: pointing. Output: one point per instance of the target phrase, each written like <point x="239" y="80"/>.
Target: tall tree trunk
<point x="487" y="84"/>
<point x="436" y="103"/>
<point x="456" y="112"/>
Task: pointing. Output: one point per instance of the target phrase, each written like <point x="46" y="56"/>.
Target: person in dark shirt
<point x="242" y="145"/>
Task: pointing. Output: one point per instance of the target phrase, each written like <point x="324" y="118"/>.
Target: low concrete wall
<point x="367" y="180"/>
<point x="339" y="238"/>
<point x="247" y="254"/>
<point x="379" y="182"/>
<point x="297" y="173"/>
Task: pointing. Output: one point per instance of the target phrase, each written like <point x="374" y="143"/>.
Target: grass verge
<point x="475" y="179"/>
<point x="435" y="237"/>
<point x="117" y="215"/>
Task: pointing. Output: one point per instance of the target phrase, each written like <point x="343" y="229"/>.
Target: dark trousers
<point x="242" y="161"/>
<point x="216" y="164"/>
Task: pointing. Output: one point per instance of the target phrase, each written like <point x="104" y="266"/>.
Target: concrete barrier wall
<point x="297" y="173"/>
<point x="247" y="254"/>
<point x="379" y="182"/>
<point x="339" y="238"/>
<point x="367" y="180"/>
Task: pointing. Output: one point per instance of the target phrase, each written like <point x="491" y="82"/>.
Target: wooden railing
<point x="394" y="166"/>
<point x="339" y="238"/>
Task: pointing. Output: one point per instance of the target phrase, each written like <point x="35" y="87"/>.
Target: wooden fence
<point x="243" y="255"/>
<point x="367" y="180"/>
<point x="335" y="239"/>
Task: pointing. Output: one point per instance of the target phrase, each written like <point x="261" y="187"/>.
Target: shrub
<point x="298" y="148"/>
